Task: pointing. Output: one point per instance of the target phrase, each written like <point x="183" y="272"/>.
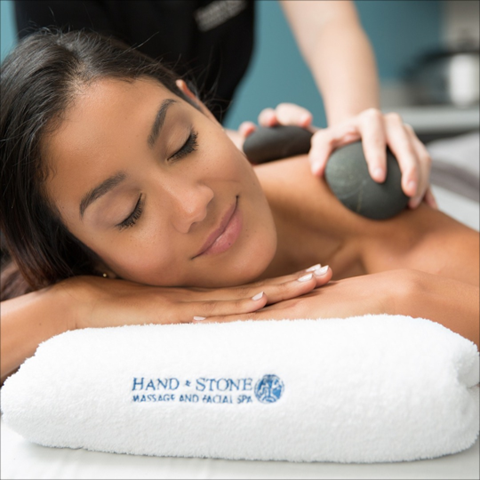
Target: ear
<point x="183" y="87"/>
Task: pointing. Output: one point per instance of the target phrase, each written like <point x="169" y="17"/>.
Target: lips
<point x="223" y="237"/>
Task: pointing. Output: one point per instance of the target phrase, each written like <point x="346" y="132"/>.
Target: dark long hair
<point x="38" y="80"/>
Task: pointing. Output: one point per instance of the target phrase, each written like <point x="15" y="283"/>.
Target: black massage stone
<point x="346" y="173"/>
<point x="273" y="143"/>
<point x="349" y="179"/>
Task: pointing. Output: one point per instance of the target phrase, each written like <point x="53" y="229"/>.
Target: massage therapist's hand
<point x="99" y="302"/>
<point x="376" y="131"/>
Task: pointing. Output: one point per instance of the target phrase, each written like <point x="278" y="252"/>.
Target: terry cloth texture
<point x="376" y="388"/>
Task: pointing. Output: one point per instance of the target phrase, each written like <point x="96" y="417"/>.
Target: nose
<point x="190" y="205"/>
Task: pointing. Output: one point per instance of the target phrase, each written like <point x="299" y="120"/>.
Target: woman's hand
<point x="365" y="294"/>
<point x="447" y="301"/>
<point x="376" y="130"/>
<point x="105" y="303"/>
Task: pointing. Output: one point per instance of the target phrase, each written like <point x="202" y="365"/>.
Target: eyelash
<point x="131" y="220"/>
<point x="188" y="147"/>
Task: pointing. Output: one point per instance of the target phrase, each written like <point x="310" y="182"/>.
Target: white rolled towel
<point x="376" y="388"/>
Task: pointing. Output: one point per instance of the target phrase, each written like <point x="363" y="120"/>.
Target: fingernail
<point x="412" y="186"/>
<point x="198" y="319"/>
<point x="320" y="272"/>
<point x="305" y="119"/>
<point x="258" y="296"/>
<point x="316" y="166"/>
<point x="379" y="174"/>
<point x="312" y="269"/>
<point x="305" y="278"/>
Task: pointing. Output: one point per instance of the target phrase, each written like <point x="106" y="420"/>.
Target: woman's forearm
<point x="26" y="321"/>
<point x="452" y="303"/>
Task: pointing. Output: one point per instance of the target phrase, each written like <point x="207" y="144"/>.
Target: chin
<point x="246" y="269"/>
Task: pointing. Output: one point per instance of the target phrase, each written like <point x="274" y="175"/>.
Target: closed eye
<point x="131" y="220"/>
<point x="188" y="147"/>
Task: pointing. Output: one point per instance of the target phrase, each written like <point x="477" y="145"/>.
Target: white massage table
<point x="21" y="459"/>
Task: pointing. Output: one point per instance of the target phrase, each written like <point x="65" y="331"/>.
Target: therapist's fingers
<point x="402" y="145"/>
<point x="291" y="114"/>
<point x="246" y="128"/>
<point x="372" y="129"/>
<point x="429" y="199"/>
<point x="267" y="118"/>
<point x="326" y="140"/>
<point x="424" y="167"/>
<point x="285" y="114"/>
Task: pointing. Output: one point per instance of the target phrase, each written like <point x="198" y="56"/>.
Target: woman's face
<point x="156" y="188"/>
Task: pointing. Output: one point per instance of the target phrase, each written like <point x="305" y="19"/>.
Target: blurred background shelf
<point x="432" y="122"/>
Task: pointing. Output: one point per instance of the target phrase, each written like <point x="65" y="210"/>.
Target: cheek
<point x="144" y="261"/>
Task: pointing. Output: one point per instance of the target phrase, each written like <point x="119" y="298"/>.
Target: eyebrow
<point x="159" y="121"/>
<point x="113" y="181"/>
<point x="101" y="190"/>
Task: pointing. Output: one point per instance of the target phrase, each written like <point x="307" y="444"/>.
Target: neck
<point x="308" y="220"/>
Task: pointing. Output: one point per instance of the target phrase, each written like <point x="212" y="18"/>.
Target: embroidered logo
<point x="269" y="389"/>
<point x="207" y="390"/>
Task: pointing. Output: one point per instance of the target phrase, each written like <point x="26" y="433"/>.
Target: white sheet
<point x="23" y="460"/>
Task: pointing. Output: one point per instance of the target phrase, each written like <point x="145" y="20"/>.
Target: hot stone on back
<point x="349" y="179"/>
<point x="346" y="173"/>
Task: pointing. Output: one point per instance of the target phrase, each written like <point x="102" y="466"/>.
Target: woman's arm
<point x="451" y="303"/>
<point x="83" y="302"/>
<point x="28" y="320"/>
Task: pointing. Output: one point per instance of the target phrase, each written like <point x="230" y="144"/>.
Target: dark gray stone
<point x="349" y="179"/>
<point x="273" y="143"/>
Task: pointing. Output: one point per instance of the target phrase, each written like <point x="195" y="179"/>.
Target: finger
<point x="199" y="311"/>
<point x="233" y="318"/>
<point x="326" y="140"/>
<point x="292" y="287"/>
<point x="302" y="285"/>
<point x="374" y="142"/>
<point x="195" y="294"/>
<point x="267" y="118"/>
<point x="402" y="146"/>
<point x="323" y="144"/>
<point x="291" y="114"/>
<point x="430" y="199"/>
<point x="321" y="274"/>
<point x="424" y="166"/>
<point x="246" y="128"/>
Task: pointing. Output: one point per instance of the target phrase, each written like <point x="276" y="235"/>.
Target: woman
<point x="124" y="202"/>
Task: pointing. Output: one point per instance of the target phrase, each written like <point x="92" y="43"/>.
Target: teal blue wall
<point x="398" y="30"/>
<point x="7" y="28"/>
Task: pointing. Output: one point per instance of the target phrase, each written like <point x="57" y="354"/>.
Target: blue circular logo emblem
<point x="269" y="389"/>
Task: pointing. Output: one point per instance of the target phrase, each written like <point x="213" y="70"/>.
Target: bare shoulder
<point x="422" y="239"/>
<point x="292" y="190"/>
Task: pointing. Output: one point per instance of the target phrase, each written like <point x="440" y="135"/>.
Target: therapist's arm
<point x="338" y="52"/>
<point x="339" y="55"/>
